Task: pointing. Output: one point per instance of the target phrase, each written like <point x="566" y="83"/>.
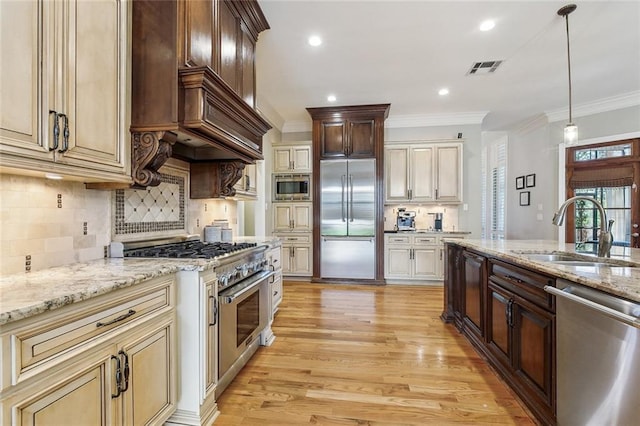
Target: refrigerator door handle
<point x="351" y="197"/>
<point x="344" y="214"/>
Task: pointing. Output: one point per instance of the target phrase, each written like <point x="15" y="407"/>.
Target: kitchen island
<point x="495" y="295"/>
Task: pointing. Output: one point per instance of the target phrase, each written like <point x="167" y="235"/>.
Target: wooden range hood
<point x="189" y="103"/>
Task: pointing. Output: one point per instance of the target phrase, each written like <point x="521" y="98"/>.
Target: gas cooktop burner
<point x="189" y="249"/>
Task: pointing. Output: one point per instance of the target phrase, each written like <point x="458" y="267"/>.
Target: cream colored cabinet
<point x="63" y="88"/>
<point x="295" y="159"/>
<point x="275" y="263"/>
<point x="294" y="217"/>
<point x="197" y="330"/>
<point x="246" y="186"/>
<point x="423" y="173"/>
<point x="411" y="257"/>
<point x="297" y="254"/>
<point x="94" y="361"/>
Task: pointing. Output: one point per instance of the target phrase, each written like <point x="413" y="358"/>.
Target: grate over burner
<point x="189" y="249"/>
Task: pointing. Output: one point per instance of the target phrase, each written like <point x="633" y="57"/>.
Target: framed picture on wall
<point x="520" y="182"/>
<point x="531" y="180"/>
<point x="525" y="198"/>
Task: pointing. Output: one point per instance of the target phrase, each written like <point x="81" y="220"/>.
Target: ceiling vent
<point x="485" y="67"/>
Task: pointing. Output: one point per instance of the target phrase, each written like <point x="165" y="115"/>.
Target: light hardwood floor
<point x="366" y="355"/>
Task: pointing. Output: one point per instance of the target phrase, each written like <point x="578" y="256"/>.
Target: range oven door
<point x="244" y="313"/>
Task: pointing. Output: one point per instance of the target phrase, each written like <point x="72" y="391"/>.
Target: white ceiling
<point x="403" y="52"/>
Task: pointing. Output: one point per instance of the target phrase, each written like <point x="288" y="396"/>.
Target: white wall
<point x="534" y="149"/>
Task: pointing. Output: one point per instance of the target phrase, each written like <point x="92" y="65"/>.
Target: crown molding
<point x="531" y="124"/>
<point x="431" y="120"/>
<point x="269" y="113"/>
<point x="602" y="105"/>
<point x="417" y="120"/>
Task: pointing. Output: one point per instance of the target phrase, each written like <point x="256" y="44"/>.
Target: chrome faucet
<point x="605" y="240"/>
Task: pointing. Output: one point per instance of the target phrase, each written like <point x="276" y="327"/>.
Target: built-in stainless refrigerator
<point x="347" y="219"/>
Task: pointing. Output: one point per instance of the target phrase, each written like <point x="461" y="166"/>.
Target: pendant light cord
<point x="566" y="18"/>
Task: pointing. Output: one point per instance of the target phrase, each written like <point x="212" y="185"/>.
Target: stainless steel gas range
<point x="240" y="311"/>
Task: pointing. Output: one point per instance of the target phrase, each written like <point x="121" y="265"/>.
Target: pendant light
<point x="570" y="130"/>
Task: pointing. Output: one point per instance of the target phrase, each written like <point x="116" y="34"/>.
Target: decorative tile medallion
<point x="155" y="209"/>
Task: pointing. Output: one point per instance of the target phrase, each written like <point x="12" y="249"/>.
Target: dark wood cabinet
<point x="521" y="334"/>
<point x="193" y="84"/>
<point x="349" y="132"/>
<point x="510" y="319"/>
<point x="473" y="285"/>
<point x="347" y="139"/>
<point x="452" y="280"/>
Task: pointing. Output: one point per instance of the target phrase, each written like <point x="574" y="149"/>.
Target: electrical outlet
<point x="84" y="228"/>
<point x="205" y="207"/>
<point x="27" y="263"/>
<point x="59" y="201"/>
<point x="197" y="223"/>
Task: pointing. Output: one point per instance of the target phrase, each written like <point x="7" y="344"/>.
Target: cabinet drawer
<point x="81" y="324"/>
<point x="275" y="261"/>
<point x="398" y="239"/>
<point x="296" y="238"/>
<point x="524" y="282"/>
<point x="426" y="240"/>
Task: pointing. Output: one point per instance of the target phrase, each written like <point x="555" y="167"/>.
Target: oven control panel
<point x="232" y="272"/>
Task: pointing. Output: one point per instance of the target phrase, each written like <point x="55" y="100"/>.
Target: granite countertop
<point x="28" y="294"/>
<point x="427" y="231"/>
<point x="619" y="281"/>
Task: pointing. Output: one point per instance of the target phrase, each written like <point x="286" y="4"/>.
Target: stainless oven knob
<point x="224" y="279"/>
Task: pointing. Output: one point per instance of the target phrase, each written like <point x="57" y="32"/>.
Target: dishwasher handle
<point x="612" y="313"/>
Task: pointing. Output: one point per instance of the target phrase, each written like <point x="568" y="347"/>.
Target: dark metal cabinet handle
<point x="126" y="370"/>
<point x="510" y="309"/>
<point x="511" y="277"/>
<point x="118" y="376"/>
<point x="214" y="311"/>
<point x="65" y="133"/>
<point x="56" y="130"/>
<point x="118" y="319"/>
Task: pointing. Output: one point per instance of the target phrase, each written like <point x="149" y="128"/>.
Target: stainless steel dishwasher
<point x="598" y="357"/>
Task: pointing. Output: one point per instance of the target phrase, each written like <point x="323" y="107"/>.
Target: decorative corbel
<point x="230" y="174"/>
<point x="150" y="151"/>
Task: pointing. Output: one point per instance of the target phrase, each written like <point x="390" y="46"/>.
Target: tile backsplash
<point x="154" y="211"/>
<point x="53" y="222"/>
<point x="424" y="220"/>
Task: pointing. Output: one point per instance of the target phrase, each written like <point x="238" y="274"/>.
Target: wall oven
<point x="244" y="314"/>
<point x="291" y="187"/>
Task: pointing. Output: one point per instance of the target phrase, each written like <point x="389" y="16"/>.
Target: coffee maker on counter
<point x="405" y="220"/>
<point x="437" y="221"/>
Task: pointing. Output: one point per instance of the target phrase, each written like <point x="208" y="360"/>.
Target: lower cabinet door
<point x="149" y="398"/>
<point x="533" y="348"/>
<point x="473" y="312"/>
<point x="425" y="262"/>
<point x="498" y="320"/>
<point x="84" y="399"/>
<point x="398" y="262"/>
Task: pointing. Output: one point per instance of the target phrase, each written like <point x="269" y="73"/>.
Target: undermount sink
<point x="571" y="259"/>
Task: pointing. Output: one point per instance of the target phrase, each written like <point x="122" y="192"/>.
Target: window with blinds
<point x="494" y="190"/>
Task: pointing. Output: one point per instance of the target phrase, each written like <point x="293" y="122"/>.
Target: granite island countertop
<point x="619" y="281"/>
<point x="31" y="293"/>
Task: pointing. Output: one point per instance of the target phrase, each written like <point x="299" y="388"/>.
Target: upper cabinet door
<point x="421" y="178"/>
<point x="22" y="99"/>
<point x="248" y="70"/>
<point x="94" y="83"/>
<point x="361" y="141"/>
<point x="333" y="139"/>
<point x="449" y="174"/>
<point x="292" y="159"/>
<point x="397" y="174"/>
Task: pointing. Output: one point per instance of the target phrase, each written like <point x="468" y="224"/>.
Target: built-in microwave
<point x="291" y="187"/>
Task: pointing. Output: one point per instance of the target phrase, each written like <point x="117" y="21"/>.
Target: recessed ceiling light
<point x="331" y="98"/>
<point x="443" y="92"/>
<point x="487" y="25"/>
<point x="52" y="176"/>
<point x="315" y="40"/>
